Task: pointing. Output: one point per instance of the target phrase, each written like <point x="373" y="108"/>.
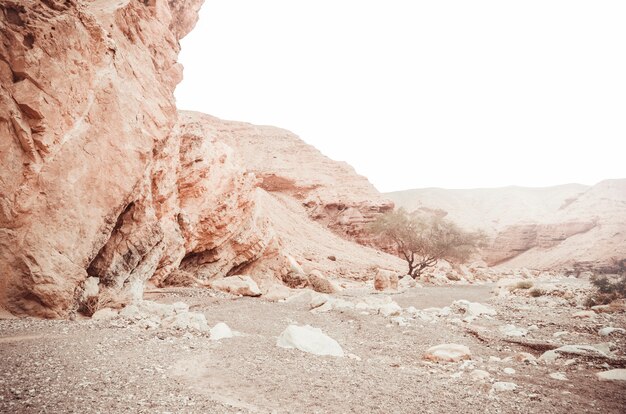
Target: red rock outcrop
<point x="102" y="187"/>
<point x="85" y="106"/>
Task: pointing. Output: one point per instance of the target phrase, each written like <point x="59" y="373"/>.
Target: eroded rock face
<point x="85" y="104"/>
<point x="332" y="192"/>
<point x="103" y="181"/>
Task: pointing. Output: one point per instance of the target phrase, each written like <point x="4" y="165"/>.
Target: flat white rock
<point x="512" y="330"/>
<point x="504" y="386"/>
<point x="612" y="375"/>
<point x="558" y="376"/>
<point x="448" y="353"/>
<point x="609" y="330"/>
<point x="309" y="339"/>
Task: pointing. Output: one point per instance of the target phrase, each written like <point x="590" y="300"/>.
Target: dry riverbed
<point x="118" y="366"/>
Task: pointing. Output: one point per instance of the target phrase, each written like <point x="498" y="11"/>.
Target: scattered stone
<point x="610" y="330"/>
<point x="584" y="314"/>
<point x="524" y="357"/>
<point x="407" y="282"/>
<point x="512" y="330"/>
<point x="221" y="331"/>
<point x="237" y="285"/>
<point x="509" y="371"/>
<point x="320" y="283"/>
<point x="332" y="258"/>
<point x="472" y="310"/>
<point x="104" y="314"/>
<point x="390" y="309"/>
<point x="560" y="333"/>
<point x="583" y="350"/>
<point x="448" y="353"/>
<point x="504" y="386"/>
<point x="612" y="375"/>
<point x="385" y="280"/>
<point x="479" y="375"/>
<point x="277" y="292"/>
<point x="186" y="320"/>
<point x="355" y="357"/>
<point x="399" y="320"/>
<point x="558" y="376"/>
<point x="309" y="339"/>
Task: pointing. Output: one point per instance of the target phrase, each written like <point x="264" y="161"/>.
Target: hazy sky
<point x="455" y="94"/>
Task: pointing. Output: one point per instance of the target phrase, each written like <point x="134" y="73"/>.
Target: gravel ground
<point x="93" y="366"/>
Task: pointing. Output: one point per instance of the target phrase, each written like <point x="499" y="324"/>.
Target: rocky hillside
<point x="539" y="228"/>
<point x="102" y="188"/>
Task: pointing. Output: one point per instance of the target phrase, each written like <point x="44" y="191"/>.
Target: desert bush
<point x="524" y="284"/>
<point x="610" y="285"/>
<point x="105" y="299"/>
<point x="536" y="292"/>
<point x="424" y="240"/>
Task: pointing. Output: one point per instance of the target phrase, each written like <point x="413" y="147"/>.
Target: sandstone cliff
<point x="102" y="188"/>
<point x="543" y="228"/>
<point x="331" y="191"/>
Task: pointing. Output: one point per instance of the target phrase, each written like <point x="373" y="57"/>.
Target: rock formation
<point x="541" y="228"/>
<point x="103" y="186"/>
<point x="331" y="191"/>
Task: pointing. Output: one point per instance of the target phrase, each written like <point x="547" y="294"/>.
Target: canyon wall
<point x="103" y="187"/>
<point x="85" y="105"/>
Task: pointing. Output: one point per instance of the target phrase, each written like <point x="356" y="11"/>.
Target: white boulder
<point x="448" y="353"/>
<point x="237" y="285"/>
<point x="221" y="331"/>
<point x="610" y="330"/>
<point x="504" y="386"/>
<point x="512" y="330"/>
<point x="612" y="375"/>
<point x="472" y="310"/>
<point x="309" y="339"/>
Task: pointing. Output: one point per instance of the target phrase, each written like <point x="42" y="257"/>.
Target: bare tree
<point x="424" y="240"/>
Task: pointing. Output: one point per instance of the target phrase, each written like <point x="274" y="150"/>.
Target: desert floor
<point x="113" y="366"/>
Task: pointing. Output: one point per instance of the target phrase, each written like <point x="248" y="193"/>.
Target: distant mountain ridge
<point x="543" y="228"/>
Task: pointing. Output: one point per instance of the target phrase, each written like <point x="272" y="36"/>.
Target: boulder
<point x="512" y="330"/>
<point x="472" y="310"/>
<point x="407" y="282"/>
<point x="610" y="330"/>
<point x="320" y="283"/>
<point x="309" y="339"/>
<point x="186" y="321"/>
<point x="277" y="292"/>
<point x="504" y="386"/>
<point x="104" y="314"/>
<point x="479" y="375"/>
<point x="559" y="376"/>
<point x="390" y="309"/>
<point x="237" y="285"/>
<point x="221" y="331"/>
<point x="612" y="375"/>
<point x="581" y="350"/>
<point x="447" y="353"/>
<point x="385" y="280"/>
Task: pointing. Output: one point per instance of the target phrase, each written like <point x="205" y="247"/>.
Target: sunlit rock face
<point x="102" y="187"/>
<point x="86" y="109"/>
<point x="543" y="228"/>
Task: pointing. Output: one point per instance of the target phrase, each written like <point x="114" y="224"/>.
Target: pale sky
<point x="453" y="94"/>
